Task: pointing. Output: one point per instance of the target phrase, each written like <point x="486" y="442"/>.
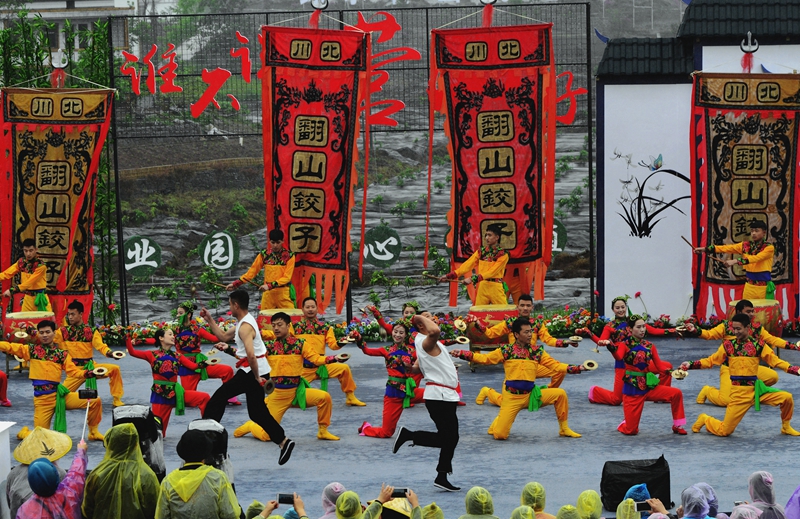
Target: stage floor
<point x="534" y="451"/>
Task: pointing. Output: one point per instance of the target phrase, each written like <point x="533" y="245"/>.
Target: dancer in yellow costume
<point x="278" y="265"/>
<point x="503" y="328"/>
<point x="317" y="335"/>
<point x="720" y="397"/>
<point x="79" y="339"/>
<point x="490" y="260"/>
<point x="756" y="260"/>
<point x="33" y="279"/>
<point x="285" y="355"/>
<point x="743" y="354"/>
<point x="47" y="363"/>
<point x="520" y="390"/>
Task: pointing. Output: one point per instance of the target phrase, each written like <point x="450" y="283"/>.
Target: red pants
<point x="599" y="395"/>
<point x="191" y="399"/>
<point x="223" y="371"/>
<point x="3" y="385"/>
<point x="633" y="405"/>
<point x="392" y="409"/>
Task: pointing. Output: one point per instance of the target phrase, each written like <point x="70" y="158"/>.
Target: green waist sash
<point x="180" y="403"/>
<point x="322" y="373"/>
<point x="535" y="399"/>
<point x="60" y="414"/>
<point x="762" y="389"/>
<point x="300" y="395"/>
<point x="411" y="385"/>
<point x="91" y="383"/>
<point x="198" y="358"/>
<point x="651" y="379"/>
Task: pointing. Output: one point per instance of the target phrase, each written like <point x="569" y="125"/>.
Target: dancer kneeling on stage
<point x="641" y="381"/>
<point x="166" y="391"/>
<point x="401" y="388"/>
<point x="743" y="353"/>
<point x="521" y="361"/>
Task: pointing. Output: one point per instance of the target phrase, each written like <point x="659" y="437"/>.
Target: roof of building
<point x="732" y="19"/>
<point x="645" y="57"/>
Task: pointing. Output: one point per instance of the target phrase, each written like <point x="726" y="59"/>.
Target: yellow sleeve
<point x="493" y="357"/>
<point x="774" y="342"/>
<point x="269" y="335"/>
<point x="33" y="281"/>
<point x="493" y="269"/>
<point x="10" y="272"/>
<point x="498" y="330"/>
<point x="714" y="334"/>
<point x="549" y="362"/>
<point x="255" y="268"/>
<point x="767" y="253"/>
<point x="716" y="359"/>
<point x="286" y="273"/>
<point x="545" y="337"/>
<point x="768" y="356"/>
<point x="12" y="348"/>
<point x="330" y="339"/>
<point x="312" y="356"/>
<point x="733" y="248"/>
<point x="469" y="265"/>
<point x="73" y="370"/>
<point x="98" y="344"/>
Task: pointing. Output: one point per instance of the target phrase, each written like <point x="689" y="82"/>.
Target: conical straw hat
<point x="42" y="443"/>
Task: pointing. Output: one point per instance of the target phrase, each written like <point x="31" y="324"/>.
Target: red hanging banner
<point x="312" y="89"/>
<point x="499" y="100"/>
<point x="50" y="144"/>
<point x="744" y="150"/>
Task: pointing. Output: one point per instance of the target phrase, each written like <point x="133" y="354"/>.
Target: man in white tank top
<point x="252" y="375"/>
<point x="441" y="399"/>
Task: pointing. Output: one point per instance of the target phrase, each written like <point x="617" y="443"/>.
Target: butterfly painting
<point x="655" y="163"/>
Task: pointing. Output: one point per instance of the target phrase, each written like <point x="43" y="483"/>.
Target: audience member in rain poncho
<point x="764" y="496"/>
<point x="567" y="512"/>
<point x="196" y="490"/>
<point x="745" y="512"/>
<point x="122" y="485"/>
<point x="51" y="499"/>
<point x="533" y="495"/>
<point x="258" y="510"/>
<point x="658" y="515"/>
<point x="694" y="503"/>
<point x="711" y="497"/>
<point x="348" y="505"/>
<point x="589" y="505"/>
<point x="329" y="496"/>
<point x="523" y="512"/>
<point x="627" y="509"/>
<point x="479" y="504"/>
<point x="432" y="511"/>
<point x="793" y="505"/>
<point x="638" y="493"/>
<point x="55" y="444"/>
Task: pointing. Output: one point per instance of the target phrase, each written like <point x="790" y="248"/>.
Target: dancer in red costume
<point x="640" y="382"/>
<point x="166" y="391"/>
<point x="402" y="387"/>
<point x="616" y="331"/>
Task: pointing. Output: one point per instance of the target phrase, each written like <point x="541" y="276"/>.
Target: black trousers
<point x="445" y="438"/>
<point x="245" y="382"/>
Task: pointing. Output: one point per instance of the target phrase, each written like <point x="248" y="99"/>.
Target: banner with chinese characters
<point x="499" y="100"/>
<point x="745" y="130"/>
<point x="51" y="140"/>
<point x="312" y="89"/>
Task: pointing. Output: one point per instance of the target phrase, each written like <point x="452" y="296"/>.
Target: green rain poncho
<point x="348" y="506"/>
<point x="479" y="504"/>
<point x="567" y="512"/>
<point x="627" y="510"/>
<point x="199" y="492"/>
<point x="533" y="495"/>
<point x="432" y="511"/>
<point x="589" y="505"/>
<point x="523" y="512"/>
<point x="122" y="485"/>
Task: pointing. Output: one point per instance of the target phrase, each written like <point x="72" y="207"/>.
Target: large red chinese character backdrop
<point x="49" y="146"/>
<point x="744" y="150"/>
<point x="499" y="101"/>
<point x="313" y="86"/>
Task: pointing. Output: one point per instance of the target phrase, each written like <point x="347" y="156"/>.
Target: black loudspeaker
<point x="619" y="476"/>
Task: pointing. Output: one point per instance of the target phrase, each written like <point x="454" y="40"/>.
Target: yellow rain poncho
<point x="533" y="495"/>
<point x="432" y="511"/>
<point x="523" y="512"/>
<point x="348" y="506"/>
<point x="627" y="510"/>
<point x="122" y="485"/>
<point x="589" y="505"/>
<point x="567" y="512"/>
<point x="479" y="504"/>
<point x="197" y="492"/>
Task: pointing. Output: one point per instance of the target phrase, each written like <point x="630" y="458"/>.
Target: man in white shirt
<point x="441" y="400"/>
<point x="252" y="375"/>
